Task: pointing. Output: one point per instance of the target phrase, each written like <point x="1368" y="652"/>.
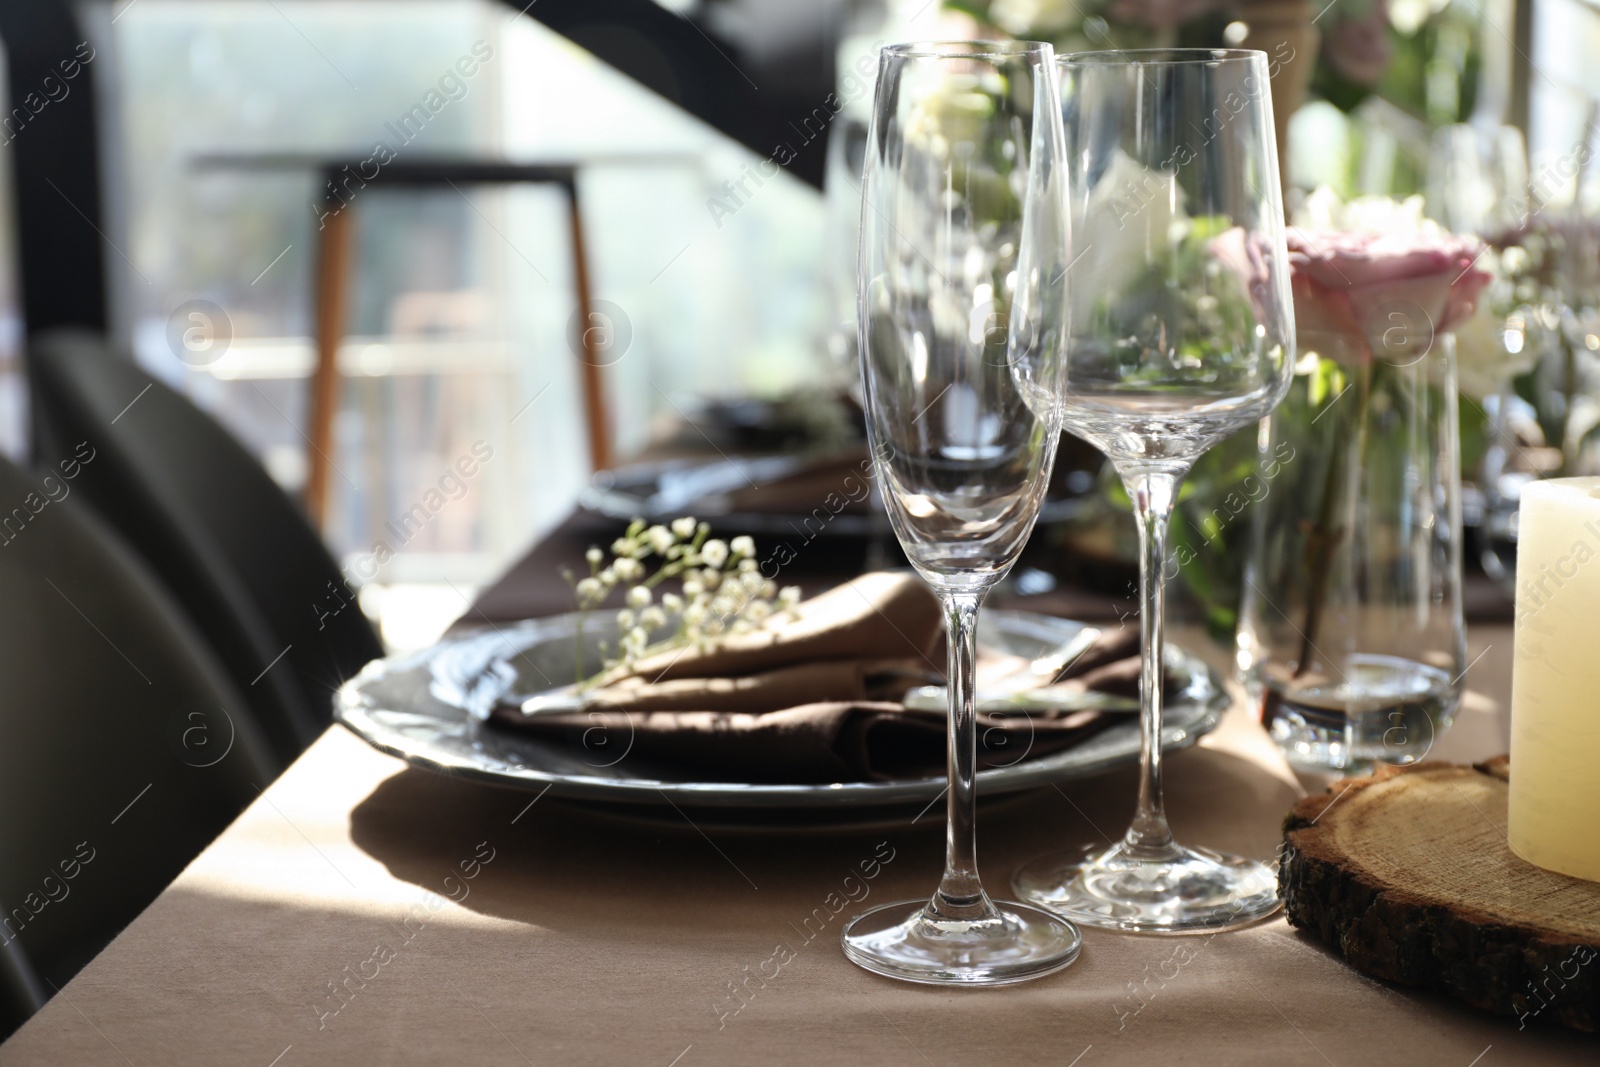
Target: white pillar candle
<point x="1555" y="682"/>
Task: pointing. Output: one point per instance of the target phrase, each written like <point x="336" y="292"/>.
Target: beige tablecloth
<point x="362" y="913"/>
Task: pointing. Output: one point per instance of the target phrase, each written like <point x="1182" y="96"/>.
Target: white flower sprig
<point x="723" y="592"/>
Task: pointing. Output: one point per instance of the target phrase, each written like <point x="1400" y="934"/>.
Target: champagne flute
<point x="962" y="309"/>
<point x="1182" y="332"/>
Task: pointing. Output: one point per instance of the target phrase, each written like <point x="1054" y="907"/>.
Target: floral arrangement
<point x="1552" y="257"/>
<point x="1374" y="283"/>
<point x="1423" y="57"/>
<point x="1356" y="44"/>
<point x="1077" y="26"/>
<point x="1548" y="289"/>
<point x="721" y="593"/>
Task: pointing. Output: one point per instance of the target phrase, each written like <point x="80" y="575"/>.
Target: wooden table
<point x="363" y="913"/>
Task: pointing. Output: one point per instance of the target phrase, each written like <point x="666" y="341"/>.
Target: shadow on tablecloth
<point x="562" y="865"/>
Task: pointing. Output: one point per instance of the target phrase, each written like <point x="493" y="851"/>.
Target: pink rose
<point x="1358" y="48"/>
<point x="1382" y="291"/>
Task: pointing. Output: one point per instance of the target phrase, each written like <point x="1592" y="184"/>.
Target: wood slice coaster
<point x="1409" y="876"/>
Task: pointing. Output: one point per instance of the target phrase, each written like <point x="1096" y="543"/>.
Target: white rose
<point x="1324" y="209"/>
<point x="1491" y="349"/>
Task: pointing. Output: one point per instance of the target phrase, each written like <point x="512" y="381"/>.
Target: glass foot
<point x="1195" y="891"/>
<point x="901" y="941"/>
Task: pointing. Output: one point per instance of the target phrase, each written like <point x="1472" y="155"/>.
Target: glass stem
<point x="960" y="896"/>
<point x="1154" y="491"/>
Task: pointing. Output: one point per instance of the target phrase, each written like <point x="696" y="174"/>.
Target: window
<point x="461" y="311"/>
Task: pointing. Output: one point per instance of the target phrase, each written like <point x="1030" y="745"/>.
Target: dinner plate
<point x="724" y="490"/>
<point x="660" y="491"/>
<point x="429" y="709"/>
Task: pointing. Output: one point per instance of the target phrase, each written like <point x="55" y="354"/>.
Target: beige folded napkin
<point x="815" y="698"/>
<point x="878" y="616"/>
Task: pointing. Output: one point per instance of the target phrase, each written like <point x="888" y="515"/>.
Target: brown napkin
<point x="830" y="741"/>
<point x="1111" y="665"/>
<point x="817" y="681"/>
<point x="815" y="699"/>
<point x="820" y="489"/>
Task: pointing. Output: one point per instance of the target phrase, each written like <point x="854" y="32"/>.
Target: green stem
<point x="1324" y="537"/>
<point x="577" y="648"/>
<point x="669" y="570"/>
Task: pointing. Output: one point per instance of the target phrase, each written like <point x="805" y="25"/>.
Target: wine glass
<point x="962" y="310"/>
<point x="1182" y="332"/>
<point x="1478" y="180"/>
<point x="1478" y="184"/>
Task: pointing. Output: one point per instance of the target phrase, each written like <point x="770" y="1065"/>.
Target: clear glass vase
<point x="1351" y="640"/>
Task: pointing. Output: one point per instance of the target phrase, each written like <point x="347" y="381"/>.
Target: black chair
<point x="235" y="551"/>
<point x="124" y="746"/>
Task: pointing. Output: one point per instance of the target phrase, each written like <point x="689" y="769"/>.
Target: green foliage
<point x="1475" y="431"/>
<point x="1209" y="536"/>
<point x="1209" y="540"/>
<point x="1433" y="74"/>
<point x="1191" y="294"/>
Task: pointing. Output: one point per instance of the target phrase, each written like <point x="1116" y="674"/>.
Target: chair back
<point x="124" y="746"/>
<point x="235" y="551"/>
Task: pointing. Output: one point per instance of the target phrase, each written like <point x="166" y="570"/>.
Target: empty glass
<point x="962" y="276"/>
<point x="1182" y="331"/>
<point x="1478" y="185"/>
<point x="1478" y="180"/>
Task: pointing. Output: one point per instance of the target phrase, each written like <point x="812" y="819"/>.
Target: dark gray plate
<point x="427" y="708"/>
<point x="660" y="491"/>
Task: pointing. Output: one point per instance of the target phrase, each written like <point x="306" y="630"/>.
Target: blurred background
<point x="175" y="192"/>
